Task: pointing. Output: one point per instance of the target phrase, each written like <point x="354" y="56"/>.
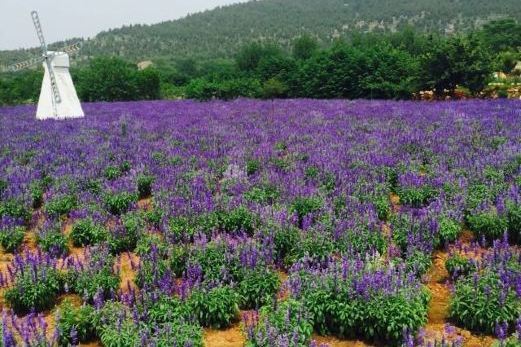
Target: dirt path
<point x="438" y="313"/>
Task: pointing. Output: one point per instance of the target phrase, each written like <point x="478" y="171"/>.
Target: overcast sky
<point x="62" y="19"/>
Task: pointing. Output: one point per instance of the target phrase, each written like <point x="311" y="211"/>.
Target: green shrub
<point x="488" y="224"/>
<point x="286" y="241"/>
<point x="457" y="266"/>
<point x="38" y="293"/>
<point x="177" y="259"/>
<point x="418" y="262"/>
<point x="216" y="308"/>
<point x="263" y="194"/>
<point x="303" y="206"/>
<point x="316" y="246"/>
<point x="416" y="196"/>
<point x="378" y="317"/>
<point x="383" y="207"/>
<point x="126" y="236"/>
<point x="12" y="238"/>
<point x="514" y="222"/>
<point x="53" y="241"/>
<point x="144" y="185"/>
<point x="154" y="216"/>
<point x="478" y="305"/>
<point x="147" y="241"/>
<point x="36" y="188"/>
<point x="257" y="288"/>
<point x="112" y="172"/>
<point x="3" y="187"/>
<point x="78" y="318"/>
<point x="91" y="282"/>
<point x="449" y="230"/>
<point x="252" y="166"/>
<point x="168" y="309"/>
<point x="288" y="321"/>
<point x="86" y="232"/>
<point x="16" y="209"/>
<point x="119" y="203"/>
<point x="61" y="205"/>
<point x="238" y="219"/>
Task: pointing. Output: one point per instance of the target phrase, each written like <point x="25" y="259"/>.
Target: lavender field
<point x="284" y="223"/>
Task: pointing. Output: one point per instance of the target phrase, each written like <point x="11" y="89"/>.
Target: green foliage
<point x="61" y="205"/>
<point x="14" y="208"/>
<point x="449" y="230"/>
<point x="12" y="238"/>
<point x="383" y="207"/>
<point x="303" y="206"/>
<point x="457" y="61"/>
<point x="37" y="189"/>
<point x="206" y="89"/>
<point x="514" y="222"/>
<point x="3" y="187"/>
<point x="418" y="262"/>
<point x="381" y="317"/>
<point x="112" y="172"/>
<point x="252" y="166"/>
<point x="286" y="242"/>
<point x="273" y="88"/>
<point x="478" y="304"/>
<point x="53" y="241"/>
<point x="144" y="185"/>
<point x="27" y="294"/>
<point x="94" y="282"/>
<point x="216" y="308"/>
<point x="488" y="224"/>
<point x="80" y="319"/>
<point x="257" y="288"/>
<point x="457" y="266"/>
<point x="113" y="79"/>
<point x="263" y="194"/>
<point x="416" y="196"/>
<point x="125" y="237"/>
<point x="154" y="216"/>
<point x="118" y="203"/>
<point x="288" y="319"/>
<point x="238" y="219"/>
<point x="304" y="47"/>
<point x="86" y="232"/>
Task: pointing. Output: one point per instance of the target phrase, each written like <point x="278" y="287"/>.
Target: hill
<point x="219" y="32"/>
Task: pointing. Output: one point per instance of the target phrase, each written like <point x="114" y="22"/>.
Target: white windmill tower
<point x="58" y="98"/>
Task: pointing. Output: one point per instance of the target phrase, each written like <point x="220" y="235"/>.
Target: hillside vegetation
<point x="220" y="32"/>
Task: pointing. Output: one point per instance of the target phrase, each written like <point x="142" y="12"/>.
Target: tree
<point x="304" y="47"/>
<point x="250" y="56"/>
<point x="273" y="88"/>
<point x="108" y="79"/>
<point x="502" y="35"/>
<point x="457" y="61"/>
<point x="148" y="84"/>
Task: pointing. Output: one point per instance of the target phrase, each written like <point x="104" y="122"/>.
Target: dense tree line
<point x="382" y="66"/>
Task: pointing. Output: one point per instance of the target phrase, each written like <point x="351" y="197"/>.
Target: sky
<point x="63" y="19"/>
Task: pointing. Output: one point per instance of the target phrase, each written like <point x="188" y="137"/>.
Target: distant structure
<point x="58" y="98"/>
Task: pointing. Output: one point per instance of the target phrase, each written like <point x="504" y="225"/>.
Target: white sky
<point x="63" y="19"/>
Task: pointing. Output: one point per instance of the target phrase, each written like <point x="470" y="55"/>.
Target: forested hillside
<point x="220" y="32"/>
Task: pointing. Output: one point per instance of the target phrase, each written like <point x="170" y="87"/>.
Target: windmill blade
<point x="72" y="49"/>
<point x="54" y="85"/>
<point x="24" y="64"/>
<point x="39" y="32"/>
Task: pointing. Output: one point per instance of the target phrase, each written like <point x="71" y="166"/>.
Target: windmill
<point x="58" y="98"/>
